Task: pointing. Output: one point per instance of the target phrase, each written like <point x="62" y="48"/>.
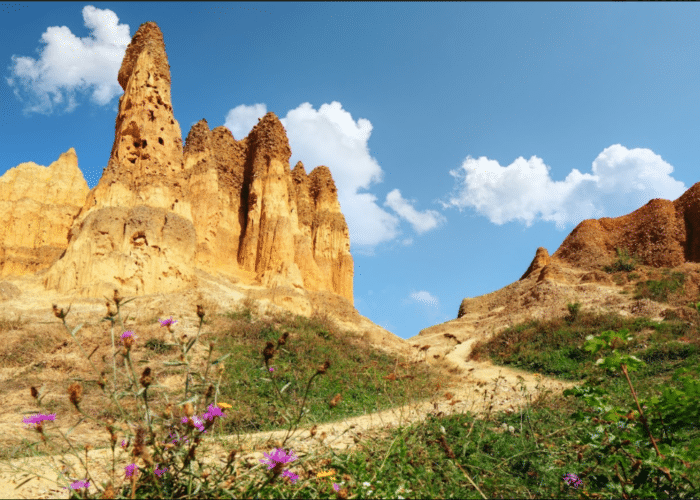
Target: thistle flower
<point x="169" y="323"/>
<point x="146" y="379"/>
<point x="278" y="456"/>
<point x="109" y="491"/>
<point x="128" y="337"/>
<point x="140" y="449"/>
<point x="110" y="313"/>
<point x="283" y="339"/>
<point x="35" y="393"/>
<point x="334" y="402"/>
<point x="200" y="311"/>
<point x="212" y="412"/>
<point x="129" y="469"/>
<point x="117" y="298"/>
<point x="269" y="351"/>
<point x="75" y="394"/>
<point x="322" y="369"/>
<point x="189" y="411"/>
<point x="60" y="314"/>
<point x="76" y="485"/>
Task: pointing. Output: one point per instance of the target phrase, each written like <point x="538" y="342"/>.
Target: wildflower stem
<point x="301" y="410"/>
<point x="641" y="414"/>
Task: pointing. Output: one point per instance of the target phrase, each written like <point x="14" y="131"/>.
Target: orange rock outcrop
<point x="662" y="233"/>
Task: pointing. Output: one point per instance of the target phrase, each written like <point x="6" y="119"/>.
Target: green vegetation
<point x="622" y="263"/>
<point x="630" y="429"/>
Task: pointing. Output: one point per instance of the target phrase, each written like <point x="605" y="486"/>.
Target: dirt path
<point x="468" y="393"/>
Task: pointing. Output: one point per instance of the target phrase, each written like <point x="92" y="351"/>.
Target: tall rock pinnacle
<point x="146" y="164"/>
<point x="135" y="229"/>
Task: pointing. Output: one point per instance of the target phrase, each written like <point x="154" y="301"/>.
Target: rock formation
<point x="160" y="213"/>
<point x="541" y="259"/>
<point x="133" y="232"/>
<point x="662" y="233"/>
<point x="37" y="207"/>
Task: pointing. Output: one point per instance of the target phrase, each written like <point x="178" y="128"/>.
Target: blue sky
<point x="461" y="136"/>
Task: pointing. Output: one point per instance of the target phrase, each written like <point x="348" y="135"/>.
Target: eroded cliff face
<point x="135" y="229"/>
<point x="283" y="227"/>
<point x="37" y="207"/>
<point x="159" y="212"/>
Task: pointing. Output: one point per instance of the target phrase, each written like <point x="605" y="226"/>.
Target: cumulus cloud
<point x="425" y="298"/>
<point x="330" y="136"/>
<point x="241" y="119"/>
<point x="421" y="222"/>
<point x="621" y="181"/>
<point x="68" y="64"/>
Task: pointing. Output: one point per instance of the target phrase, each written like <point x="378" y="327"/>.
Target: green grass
<point x="459" y="456"/>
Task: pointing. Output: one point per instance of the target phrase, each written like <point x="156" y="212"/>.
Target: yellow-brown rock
<point x="324" y="232"/>
<point x="330" y="235"/>
<point x="215" y="162"/>
<point x="541" y="259"/>
<point x="135" y="229"/>
<point x="37" y="207"/>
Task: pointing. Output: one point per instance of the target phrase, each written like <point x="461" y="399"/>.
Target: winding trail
<point x="469" y="395"/>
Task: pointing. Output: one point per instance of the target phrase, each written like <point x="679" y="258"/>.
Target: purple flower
<point x="213" y="412"/>
<point x="35" y="419"/>
<point x="127" y="333"/>
<point x="196" y="421"/>
<point x="161" y="471"/>
<point x="573" y="480"/>
<point x="79" y="484"/>
<point x="167" y="322"/>
<point x="130" y="470"/>
<point x="279" y="456"/>
<point x="336" y="486"/>
<point x="291" y="476"/>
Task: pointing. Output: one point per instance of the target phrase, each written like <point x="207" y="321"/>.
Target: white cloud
<point x="68" y="64"/>
<point x="241" y="119"/>
<point x="622" y="181"/>
<point x="425" y="298"/>
<point x="421" y="222"/>
<point x="331" y="137"/>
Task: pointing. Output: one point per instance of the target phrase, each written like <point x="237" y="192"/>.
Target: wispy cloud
<point x="421" y="221"/>
<point x="621" y="181"/>
<point x="68" y="64"/>
<point x="424" y="298"/>
<point x="330" y="136"/>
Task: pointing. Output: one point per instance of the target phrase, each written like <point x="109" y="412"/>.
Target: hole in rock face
<point x="172" y="122"/>
<point x="136" y="144"/>
<point x="144" y="143"/>
<point x="133" y="160"/>
<point x="160" y="140"/>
